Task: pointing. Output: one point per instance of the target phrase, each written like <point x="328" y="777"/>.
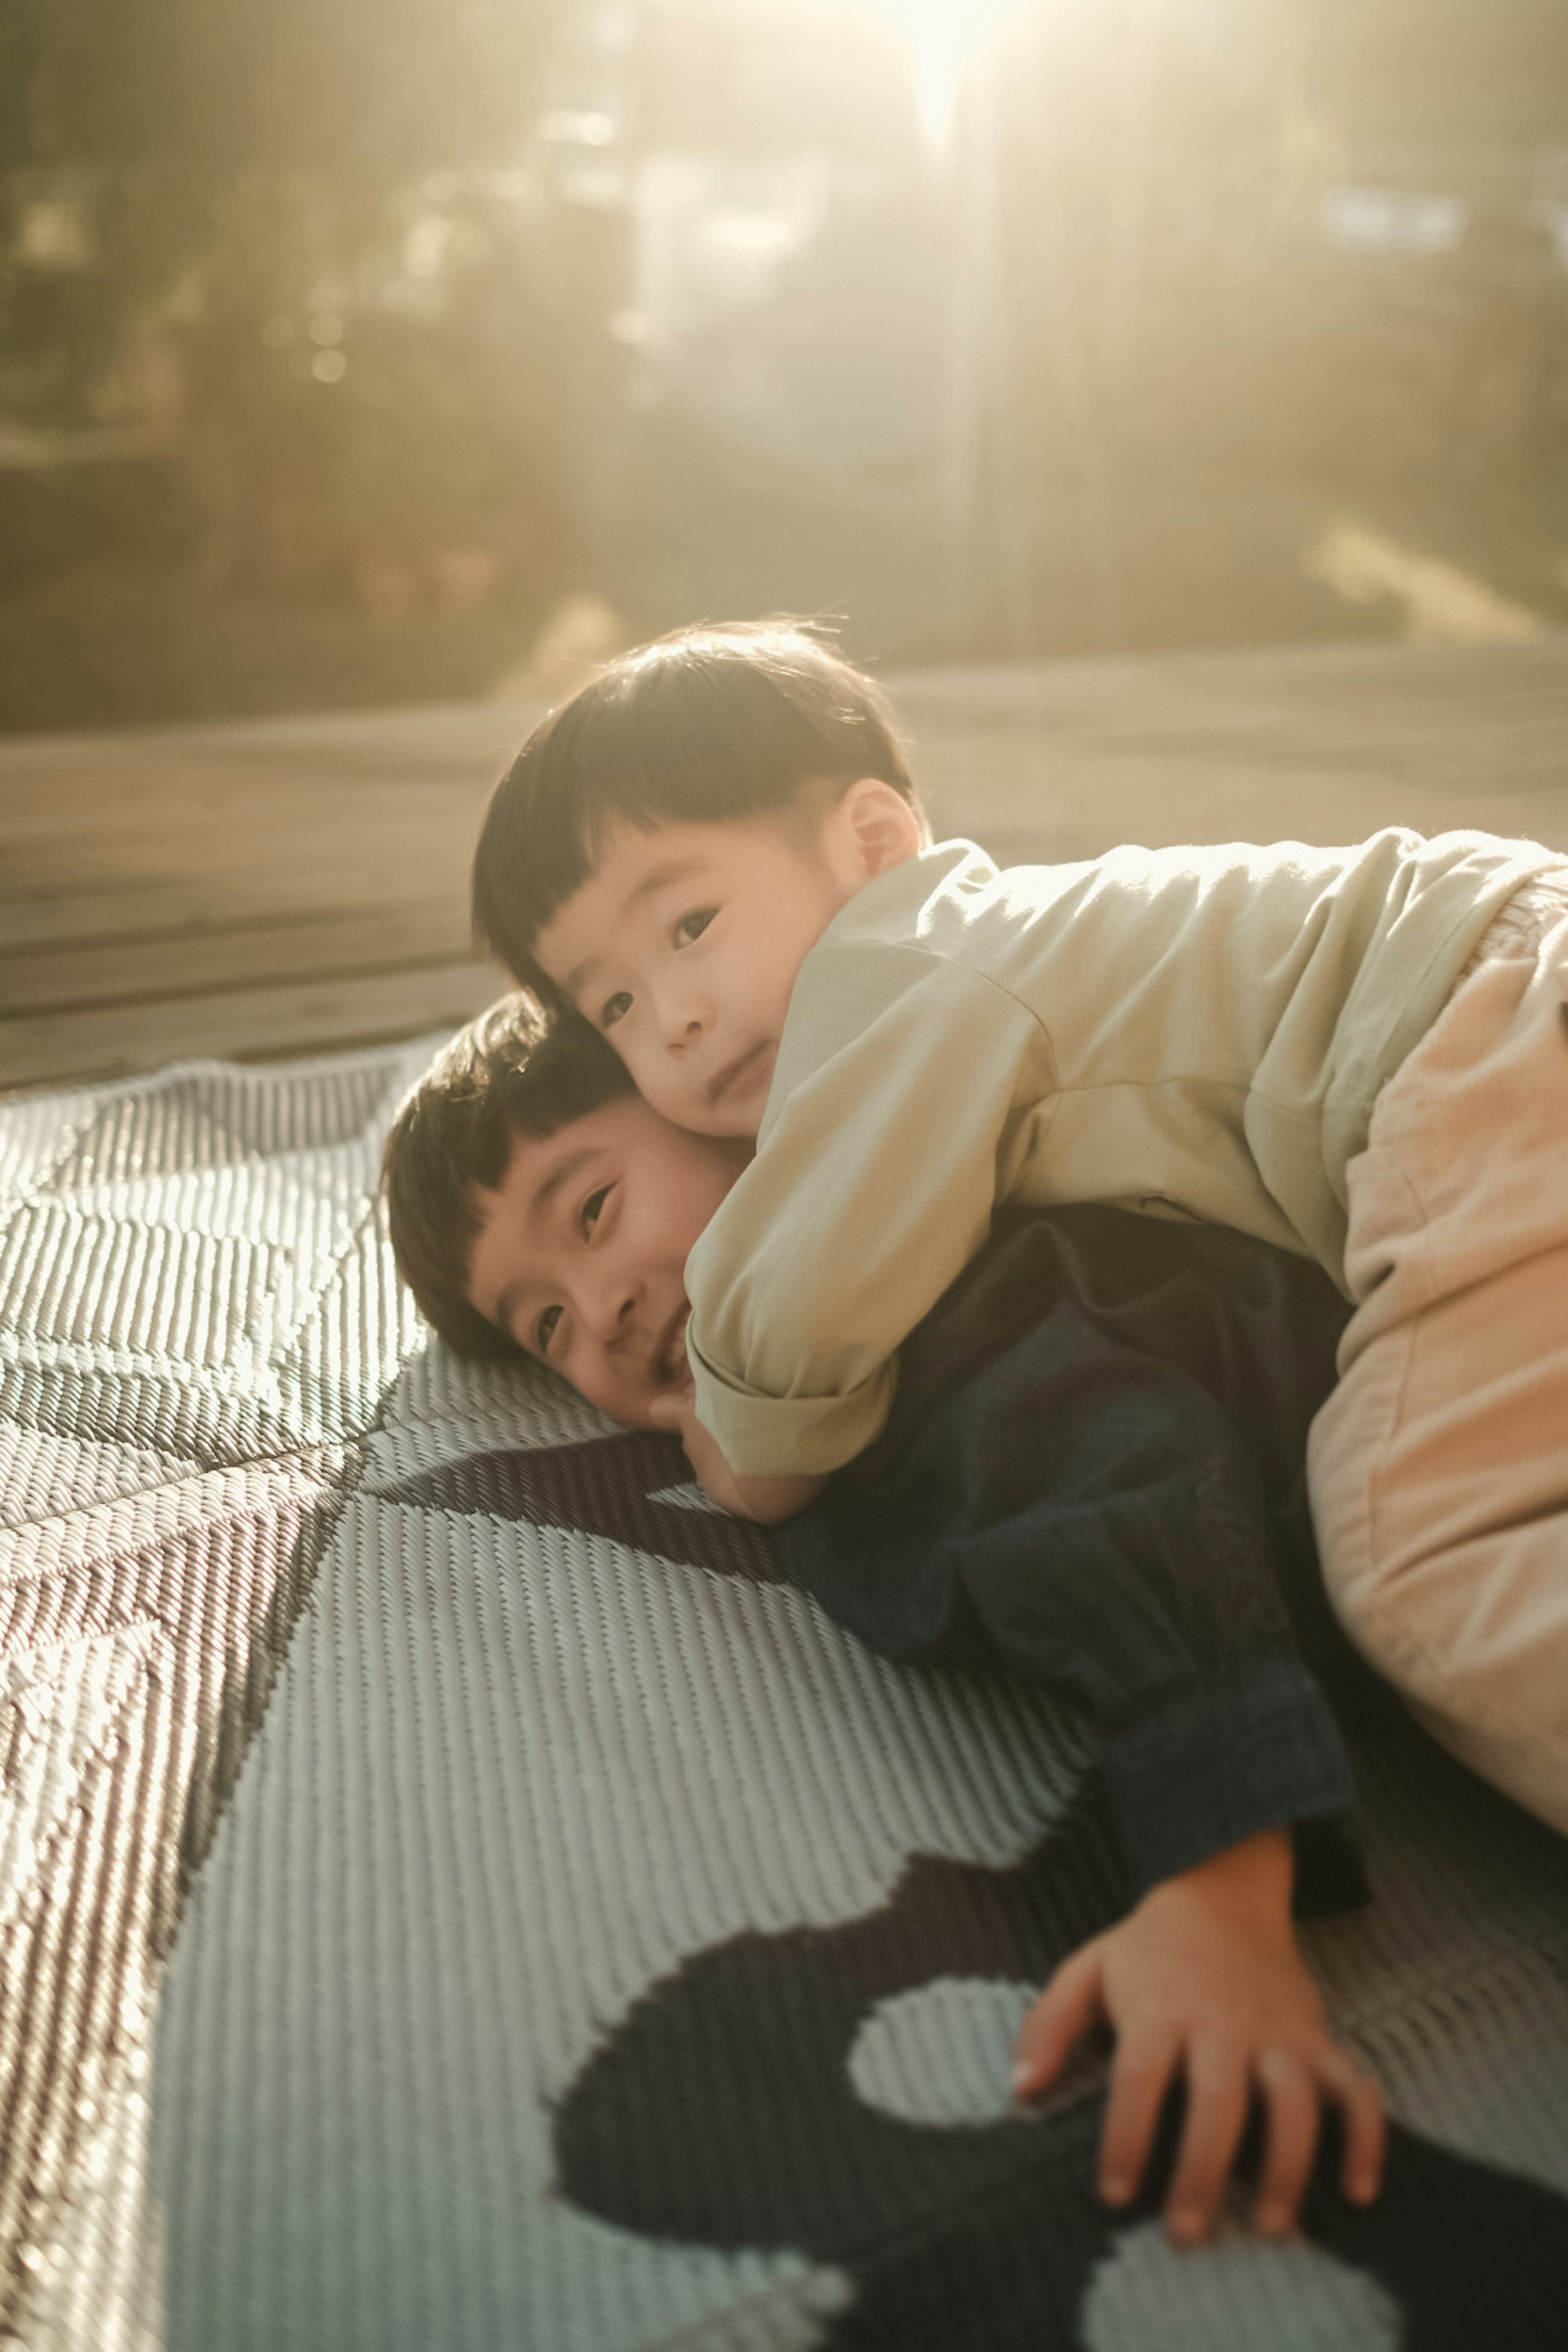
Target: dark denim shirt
<point x="1093" y="1479"/>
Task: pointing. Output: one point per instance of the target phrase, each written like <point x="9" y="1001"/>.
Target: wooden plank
<point x="292" y="885"/>
<point x="181" y="825"/>
<point x="1022" y="798"/>
<point x="235" y="772"/>
<point x="377" y="752"/>
<point x="237" y="775"/>
<point x="207" y="902"/>
<point x="1324" y="744"/>
<point x="394" y="938"/>
<point x="424" y="843"/>
<point x="248" y="1025"/>
<point x="188" y="841"/>
<point x="417" y="734"/>
<point x="1305" y="675"/>
<point x="157" y="906"/>
<point x="1422" y="723"/>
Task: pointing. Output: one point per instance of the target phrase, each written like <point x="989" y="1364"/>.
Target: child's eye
<point x="692" y="925"/>
<point x="545" y="1329"/>
<point x="615" y="1008"/>
<point x="588" y="1215"/>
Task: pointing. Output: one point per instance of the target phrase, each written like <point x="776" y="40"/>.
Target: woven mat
<point x="455" y="1894"/>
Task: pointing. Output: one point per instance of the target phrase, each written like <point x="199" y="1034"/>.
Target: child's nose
<point x="611" y="1311"/>
<point x="684" y="1016"/>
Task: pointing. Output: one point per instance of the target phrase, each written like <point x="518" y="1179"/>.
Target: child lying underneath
<point x="1090" y="1478"/>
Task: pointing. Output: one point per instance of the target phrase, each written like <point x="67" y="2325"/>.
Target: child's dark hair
<point x="519" y="1069"/>
<point x="708" y="724"/>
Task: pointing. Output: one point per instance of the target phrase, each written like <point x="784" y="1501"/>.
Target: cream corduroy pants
<point x="1439" y="1466"/>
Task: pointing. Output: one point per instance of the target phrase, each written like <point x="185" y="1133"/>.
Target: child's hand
<point x="1204" y="1974"/>
<point x="677" y="1412"/>
<point x="763" y="1497"/>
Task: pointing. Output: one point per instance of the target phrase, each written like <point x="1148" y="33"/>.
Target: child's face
<point x="581" y="1253"/>
<point x="683" y="945"/>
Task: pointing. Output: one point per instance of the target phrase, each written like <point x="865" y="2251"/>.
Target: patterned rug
<point x="454" y="1892"/>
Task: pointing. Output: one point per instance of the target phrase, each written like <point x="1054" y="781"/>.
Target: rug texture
<point x="454" y="1892"/>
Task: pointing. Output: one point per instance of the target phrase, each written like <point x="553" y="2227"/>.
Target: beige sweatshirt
<point x="1185" y="1032"/>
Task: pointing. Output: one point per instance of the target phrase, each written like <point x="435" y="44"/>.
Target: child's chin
<point x="729" y="1121"/>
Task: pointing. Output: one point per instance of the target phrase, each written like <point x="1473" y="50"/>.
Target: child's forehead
<point x="631" y="865"/>
<point x="635" y="863"/>
<point x="632" y="860"/>
<point x="539" y="1168"/>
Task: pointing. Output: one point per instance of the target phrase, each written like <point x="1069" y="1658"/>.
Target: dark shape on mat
<point x="227" y="1594"/>
<point x="720" y="2112"/>
<point x="240" y="1700"/>
<point x="601" y="1487"/>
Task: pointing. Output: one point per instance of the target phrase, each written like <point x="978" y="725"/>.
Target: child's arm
<point x="765" y="1496"/>
<point x="867" y="1197"/>
<point x="1203" y="1977"/>
<point x="1060" y="1497"/>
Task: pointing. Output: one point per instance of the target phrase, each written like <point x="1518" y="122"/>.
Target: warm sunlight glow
<point x="943" y="37"/>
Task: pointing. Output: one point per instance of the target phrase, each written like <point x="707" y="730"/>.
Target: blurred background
<point x="354" y="352"/>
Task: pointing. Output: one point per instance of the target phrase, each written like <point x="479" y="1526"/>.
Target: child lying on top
<point x="1085" y="1481"/>
<point x="1360" y="1054"/>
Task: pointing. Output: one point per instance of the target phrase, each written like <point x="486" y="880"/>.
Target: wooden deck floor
<point x="283" y="888"/>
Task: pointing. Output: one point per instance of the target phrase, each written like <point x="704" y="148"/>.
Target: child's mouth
<point x="739" y="1075"/>
<point x="669" y="1365"/>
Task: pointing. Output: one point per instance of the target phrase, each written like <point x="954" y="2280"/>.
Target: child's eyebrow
<point x="672" y="869"/>
<point x="657" y="875"/>
<point x="566" y="1167"/>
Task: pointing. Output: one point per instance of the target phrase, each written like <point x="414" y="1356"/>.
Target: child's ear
<point x="875" y="827"/>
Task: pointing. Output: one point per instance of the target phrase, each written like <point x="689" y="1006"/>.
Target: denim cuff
<point x="1260" y="1752"/>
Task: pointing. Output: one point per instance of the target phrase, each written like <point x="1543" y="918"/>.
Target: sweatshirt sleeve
<point x="1084" y="1518"/>
<point x="1258" y="1751"/>
<point x="873" y="1186"/>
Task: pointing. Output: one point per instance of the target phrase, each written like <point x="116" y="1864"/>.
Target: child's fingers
<point x="1216" y="2112"/>
<point x="1138" y="2075"/>
<point x="1292" y="2095"/>
<point x="1359" y="2102"/>
<point x="1070" y="2005"/>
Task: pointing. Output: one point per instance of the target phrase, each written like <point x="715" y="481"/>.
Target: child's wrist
<point x="1252" y="1879"/>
